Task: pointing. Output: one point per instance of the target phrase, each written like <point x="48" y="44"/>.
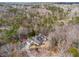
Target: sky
<point x="39" y="0"/>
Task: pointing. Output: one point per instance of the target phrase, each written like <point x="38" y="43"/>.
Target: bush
<point x="58" y="12"/>
<point x="74" y="52"/>
<point x="31" y="34"/>
<point x="36" y="6"/>
<point x="74" y="20"/>
<point x="13" y="10"/>
<point x="2" y="21"/>
<point x="11" y="32"/>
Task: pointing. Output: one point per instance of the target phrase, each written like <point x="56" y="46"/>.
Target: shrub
<point x="36" y="6"/>
<point x="74" y="52"/>
<point x="13" y="10"/>
<point x="31" y="34"/>
<point x="74" y="20"/>
<point x="11" y="32"/>
<point x="58" y="12"/>
<point x="2" y="21"/>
